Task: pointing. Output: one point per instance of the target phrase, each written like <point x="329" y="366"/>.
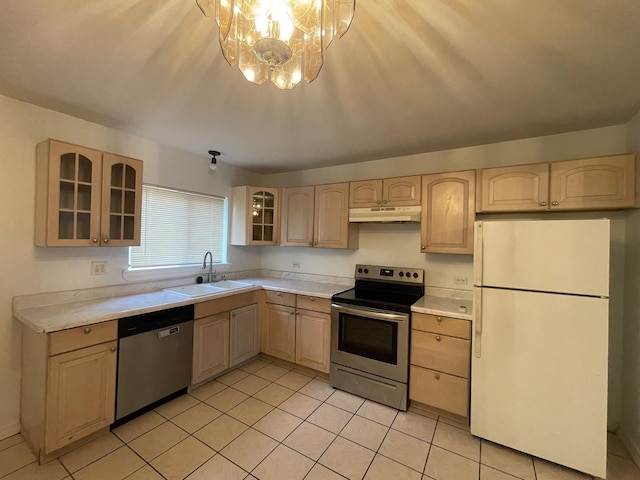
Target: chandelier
<point x="278" y="40"/>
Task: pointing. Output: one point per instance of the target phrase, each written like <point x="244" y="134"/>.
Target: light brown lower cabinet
<point x="226" y="332"/>
<point x="440" y="362"/>
<point x="68" y="385"/>
<point x="299" y="335"/>
<point x="313" y="332"/>
<point x="279" y="332"/>
<point x="210" y="347"/>
<point x="244" y="334"/>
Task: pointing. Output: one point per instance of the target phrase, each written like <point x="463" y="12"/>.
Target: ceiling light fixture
<point x="278" y="40"/>
<point x="214" y="160"/>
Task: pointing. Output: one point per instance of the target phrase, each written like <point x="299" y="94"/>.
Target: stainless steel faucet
<point x="211" y="275"/>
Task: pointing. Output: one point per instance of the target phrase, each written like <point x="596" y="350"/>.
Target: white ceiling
<point x="410" y="76"/>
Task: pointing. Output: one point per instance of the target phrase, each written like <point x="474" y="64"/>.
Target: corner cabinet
<point x="279" y="325"/>
<point x="86" y="198"/>
<point x="448" y="212"/>
<point x="297" y="328"/>
<point x="318" y="216"/>
<point x="255" y="216"/>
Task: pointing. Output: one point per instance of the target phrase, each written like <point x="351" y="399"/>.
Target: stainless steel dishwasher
<point x="154" y="359"/>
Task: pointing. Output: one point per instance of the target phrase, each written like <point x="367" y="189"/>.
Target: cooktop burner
<point x="384" y="288"/>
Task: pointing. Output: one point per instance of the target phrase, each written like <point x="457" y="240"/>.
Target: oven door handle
<point x="390" y="317"/>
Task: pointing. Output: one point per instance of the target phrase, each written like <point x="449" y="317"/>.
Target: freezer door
<point x="564" y="256"/>
<point x="539" y="376"/>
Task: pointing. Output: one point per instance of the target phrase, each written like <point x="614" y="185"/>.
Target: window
<point x="178" y="228"/>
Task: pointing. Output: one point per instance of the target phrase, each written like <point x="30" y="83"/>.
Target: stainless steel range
<point x="370" y="326"/>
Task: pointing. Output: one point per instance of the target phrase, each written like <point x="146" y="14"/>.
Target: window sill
<point x="167" y="273"/>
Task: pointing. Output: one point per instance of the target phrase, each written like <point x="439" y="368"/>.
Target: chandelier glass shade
<point x="279" y="40"/>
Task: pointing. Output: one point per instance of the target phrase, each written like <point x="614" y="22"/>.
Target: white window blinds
<point x="178" y="228"/>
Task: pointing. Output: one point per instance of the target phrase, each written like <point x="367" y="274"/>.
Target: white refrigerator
<point x="540" y="339"/>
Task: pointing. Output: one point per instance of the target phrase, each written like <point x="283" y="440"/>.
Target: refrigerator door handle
<point x="478" y="254"/>
<point x="477" y="322"/>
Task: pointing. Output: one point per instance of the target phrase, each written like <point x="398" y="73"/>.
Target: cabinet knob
<point x="94" y="240"/>
<point x="378" y="202"/>
<point x="105" y="240"/>
<point x="87" y="330"/>
<point x="555" y="203"/>
<point x="437" y="375"/>
<point x="278" y="294"/>
<point x="113" y="349"/>
<point x="384" y="202"/>
<point x="311" y="299"/>
<point x="439" y="319"/>
<point x="438" y="338"/>
<point x="423" y="247"/>
<point x="543" y="204"/>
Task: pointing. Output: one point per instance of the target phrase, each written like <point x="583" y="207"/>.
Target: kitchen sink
<point x="228" y="284"/>
<point x="201" y="289"/>
<point x="196" y="290"/>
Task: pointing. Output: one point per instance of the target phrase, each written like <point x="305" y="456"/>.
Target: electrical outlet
<point x="460" y="280"/>
<point x="296" y="264"/>
<point x="98" y="268"/>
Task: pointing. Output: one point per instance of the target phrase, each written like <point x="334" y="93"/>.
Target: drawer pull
<point x="438" y="338"/>
<point x="113" y="349"/>
<point x="278" y="294"/>
<point x="439" y="319"/>
<point x="437" y="375"/>
<point x="87" y="330"/>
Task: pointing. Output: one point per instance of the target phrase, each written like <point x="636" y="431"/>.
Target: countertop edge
<point x="52" y="318"/>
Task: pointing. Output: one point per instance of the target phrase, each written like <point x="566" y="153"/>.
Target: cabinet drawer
<point x="439" y="390"/>
<point x="439" y="352"/>
<point x="280" y="298"/>
<point x="316" y="304"/>
<point x="80" y="337"/>
<point x="453" y="327"/>
<point x="225" y="304"/>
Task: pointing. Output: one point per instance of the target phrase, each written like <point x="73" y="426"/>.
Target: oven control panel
<point x="391" y="274"/>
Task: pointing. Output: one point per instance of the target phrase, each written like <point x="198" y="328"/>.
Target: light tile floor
<point x="272" y="421"/>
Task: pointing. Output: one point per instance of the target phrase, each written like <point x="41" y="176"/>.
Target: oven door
<point x="370" y="340"/>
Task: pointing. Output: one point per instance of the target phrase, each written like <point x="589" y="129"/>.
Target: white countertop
<point x="60" y="316"/>
<point x="77" y="310"/>
<point x="446" y="302"/>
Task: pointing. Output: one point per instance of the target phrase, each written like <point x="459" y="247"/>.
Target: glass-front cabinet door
<point x="263" y="216"/>
<point x="68" y="195"/>
<point x="85" y="197"/>
<point x="121" y="200"/>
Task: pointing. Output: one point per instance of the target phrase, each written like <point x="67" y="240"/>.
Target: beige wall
<point x="27" y="269"/>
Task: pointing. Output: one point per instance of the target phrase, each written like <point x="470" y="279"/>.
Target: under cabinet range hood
<point x="385" y="214"/>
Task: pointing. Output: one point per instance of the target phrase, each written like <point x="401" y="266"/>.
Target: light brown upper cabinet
<point x="255" y="216"/>
<point x="584" y="184"/>
<point x="390" y="192"/>
<point x="86" y="198"/>
<point x="517" y="188"/>
<point x="317" y="217"/>
<point x="448" y="201"/>
<point x="593" y="183"/>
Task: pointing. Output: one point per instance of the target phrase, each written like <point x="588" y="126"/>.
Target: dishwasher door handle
<point x="169" y="331"/>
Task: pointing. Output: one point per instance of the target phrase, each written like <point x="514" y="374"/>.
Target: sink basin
<point x="227" y="284"/>
<point x="196" y="290"/>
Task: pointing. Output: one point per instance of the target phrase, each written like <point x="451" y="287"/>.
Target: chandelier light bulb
<point x="278" y="40"/>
